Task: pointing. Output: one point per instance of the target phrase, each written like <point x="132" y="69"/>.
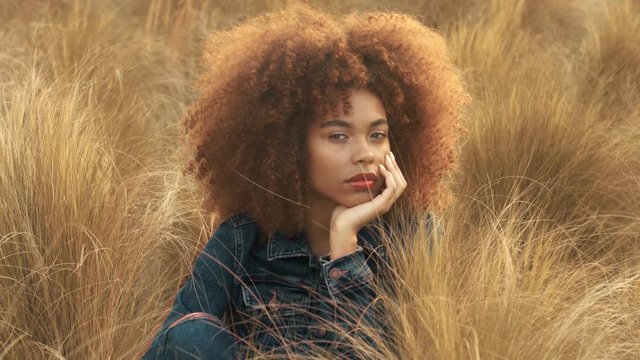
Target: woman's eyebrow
<point x="346" y="124"/>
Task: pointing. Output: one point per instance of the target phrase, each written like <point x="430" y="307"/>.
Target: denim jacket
<point x="276" y="298"/>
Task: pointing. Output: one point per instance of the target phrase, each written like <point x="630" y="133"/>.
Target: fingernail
<point x="392" y="157"/>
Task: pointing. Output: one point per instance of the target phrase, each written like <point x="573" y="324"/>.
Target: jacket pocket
<point x="275" y="312"/>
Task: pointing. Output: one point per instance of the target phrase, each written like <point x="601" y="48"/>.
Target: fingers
<point x="389" y="180"/>
<point x="400" y="180"/>
<point x="392" y="167"/>
<point x="394" y="182"/>
<point x="384" y="201"/>
<point x="399" y="183"/>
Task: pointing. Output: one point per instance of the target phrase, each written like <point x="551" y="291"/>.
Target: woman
<point x="308" y="133"/>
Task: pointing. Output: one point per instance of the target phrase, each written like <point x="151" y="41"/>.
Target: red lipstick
<point x="363" y="177"/>
<point x="362" y="181"/>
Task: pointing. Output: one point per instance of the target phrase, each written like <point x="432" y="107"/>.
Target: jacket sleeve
<point x="350" y="284"/>
<point x="209" y="286"/>
<point x="204" y="298"/>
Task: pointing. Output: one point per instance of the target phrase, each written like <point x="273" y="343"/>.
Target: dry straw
<point x="540" y="255"/>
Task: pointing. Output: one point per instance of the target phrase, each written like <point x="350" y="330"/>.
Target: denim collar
<point x="279" y="246"/>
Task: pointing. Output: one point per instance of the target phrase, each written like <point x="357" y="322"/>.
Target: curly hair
<point x="268" y="78"/>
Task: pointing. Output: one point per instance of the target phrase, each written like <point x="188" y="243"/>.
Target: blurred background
<point x="98" y="226"/>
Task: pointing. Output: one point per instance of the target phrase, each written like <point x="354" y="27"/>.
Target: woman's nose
<point x="363" y="153"/>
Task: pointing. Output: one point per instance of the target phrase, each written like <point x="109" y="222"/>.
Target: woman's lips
<point x="361" y="184"/>
<point x="369" y="176"/>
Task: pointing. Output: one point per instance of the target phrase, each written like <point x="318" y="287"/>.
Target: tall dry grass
<point x="540" y="256"/>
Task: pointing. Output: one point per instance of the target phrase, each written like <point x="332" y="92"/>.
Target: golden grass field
<point x="98" y="225"/>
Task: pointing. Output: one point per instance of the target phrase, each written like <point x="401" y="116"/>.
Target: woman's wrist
<point x="342" y="242"/>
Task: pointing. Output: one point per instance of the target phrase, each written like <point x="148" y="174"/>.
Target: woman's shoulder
<point x="238" y="219"/>
<point x="241" y="227"/>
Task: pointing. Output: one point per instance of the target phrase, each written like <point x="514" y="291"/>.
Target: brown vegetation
<point x="540" y="260"/>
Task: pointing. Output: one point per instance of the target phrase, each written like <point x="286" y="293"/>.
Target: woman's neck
<point x="318" y="224"/>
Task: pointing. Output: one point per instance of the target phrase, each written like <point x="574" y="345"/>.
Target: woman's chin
<point x="357" y="199"/>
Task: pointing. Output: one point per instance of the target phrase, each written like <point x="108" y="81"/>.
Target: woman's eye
<point x="340" y="137"/>
<point x="336" y="136"/>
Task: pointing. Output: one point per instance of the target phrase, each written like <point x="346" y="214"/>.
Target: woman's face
<point x="354" y="144"/>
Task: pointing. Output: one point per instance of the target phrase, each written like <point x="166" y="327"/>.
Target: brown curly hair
<point x="268" y="78"/>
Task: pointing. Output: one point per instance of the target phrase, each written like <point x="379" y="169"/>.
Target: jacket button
<point x="335" y="274"/>
<point x="319" y="332"/>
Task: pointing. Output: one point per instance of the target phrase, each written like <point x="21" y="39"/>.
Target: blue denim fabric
<point x="276" y="298"/>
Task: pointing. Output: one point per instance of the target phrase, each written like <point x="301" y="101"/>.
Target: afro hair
<point x="265" y="81"/>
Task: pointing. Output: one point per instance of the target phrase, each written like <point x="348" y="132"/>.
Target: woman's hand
<point x="346" y="222"/>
